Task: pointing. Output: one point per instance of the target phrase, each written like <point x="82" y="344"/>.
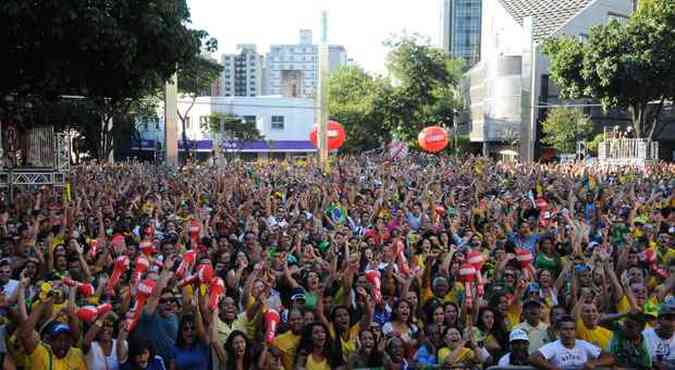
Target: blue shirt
<point x="425" y="357"/>
<point x="161" y="331"/>
<point x="529" y="242"/>
<point x="415" y="222"/>
<point x="155" y="364"/>
<point x="194" y="357"/>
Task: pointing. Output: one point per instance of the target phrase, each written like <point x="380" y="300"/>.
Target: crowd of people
<point x="423" y="262"/>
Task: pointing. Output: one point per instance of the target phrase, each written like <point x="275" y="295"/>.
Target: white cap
<point x="518" y="334"/>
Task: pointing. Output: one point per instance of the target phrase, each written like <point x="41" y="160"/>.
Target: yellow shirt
<point x="623" y="305"/>
<point x="223" y="330"/>
<point x="287" y="343"/>
<point x="598" y="336"/>
<point x="464" y="356"/>
<point x="453" y="294"/>
<point x="316" y="365"/>
<point x="42" y="358"/>
<point x="349" y="343"/>
<point x="513" y="316"/>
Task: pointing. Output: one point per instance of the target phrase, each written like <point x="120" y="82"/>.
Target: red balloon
<point x="433" y="139"/>
<point x="336" y="135"/>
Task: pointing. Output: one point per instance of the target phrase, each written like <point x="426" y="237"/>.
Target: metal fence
<point x="628" y="152"/>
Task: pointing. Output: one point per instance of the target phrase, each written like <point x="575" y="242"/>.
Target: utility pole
<point x="323" y="92"/>
<point x="171" y="121"/>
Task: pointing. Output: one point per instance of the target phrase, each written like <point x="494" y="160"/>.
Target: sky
<point x="359" y="25"/>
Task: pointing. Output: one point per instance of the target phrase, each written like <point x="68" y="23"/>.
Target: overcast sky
<point x="360" y="25"/>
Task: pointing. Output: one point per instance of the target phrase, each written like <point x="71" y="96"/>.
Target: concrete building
<point x="293" y="70"/>
<point x="285" y="124"/>
<point x="242" y="72"/>
<point x="461" y="29"/>
<point x="508" y="91"/>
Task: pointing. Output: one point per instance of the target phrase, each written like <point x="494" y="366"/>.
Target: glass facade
<point x="464" y="32"/>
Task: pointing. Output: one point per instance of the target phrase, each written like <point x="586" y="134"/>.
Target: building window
<point x="278" y="122"/>
<point x="248" y="119"/>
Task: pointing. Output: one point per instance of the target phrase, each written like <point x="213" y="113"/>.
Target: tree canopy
<point x="421" y="90"/>
<point x="113" y="53"/>
<point x="356" y="101"/>
<point x="624" y="65"/>
<point x="564" y="127"/>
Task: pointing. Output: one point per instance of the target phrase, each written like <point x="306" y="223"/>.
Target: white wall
<point x="495" y="95"/>
<point x="298" y="115"/>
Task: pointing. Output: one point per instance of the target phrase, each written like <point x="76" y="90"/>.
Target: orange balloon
<point x="433" y="139"/>
<point x="336" y="135"/>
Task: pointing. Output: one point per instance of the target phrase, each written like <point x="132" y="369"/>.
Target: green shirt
<point x="628" y="353"/>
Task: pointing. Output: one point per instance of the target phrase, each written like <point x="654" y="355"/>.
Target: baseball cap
<point x="667" y="309"/>
<point x="530" y="301"/>
<point x="518" y="334"/>
<point x="56" y="327"/>
<point x="297" y="294"/>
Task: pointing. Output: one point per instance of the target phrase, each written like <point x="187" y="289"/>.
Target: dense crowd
<point x="426" y="261"/>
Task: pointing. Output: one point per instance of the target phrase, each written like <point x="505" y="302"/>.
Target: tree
<point x="564" y="127"/>
<point x="624" y="65"/>
<point x="231" y="128"/>
<point x="114" y="53"/>
<point x="425" y="90"/>
<point x="594" y="144"/>
<point x="194" y="77"/>
<point x="355" y="99"/>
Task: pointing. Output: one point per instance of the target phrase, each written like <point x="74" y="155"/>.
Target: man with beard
<point x="519" y="343"/>
<point x="55" y="351"/>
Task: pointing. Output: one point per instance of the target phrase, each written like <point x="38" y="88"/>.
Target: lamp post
<point x="323" y="92"/>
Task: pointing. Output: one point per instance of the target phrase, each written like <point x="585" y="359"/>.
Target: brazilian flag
<point x="337" y="213"/>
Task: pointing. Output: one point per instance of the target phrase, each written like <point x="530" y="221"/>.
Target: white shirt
<point x="505" y="360"/>
<point x="658" y="346"/>
<point x="10" y="288"/>
<point x="562" y="357"/>
<point x="97" y="360"/>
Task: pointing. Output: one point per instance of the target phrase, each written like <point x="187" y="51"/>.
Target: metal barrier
<point x="627" y="152"/>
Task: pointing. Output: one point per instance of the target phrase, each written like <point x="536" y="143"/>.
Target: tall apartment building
<point x="293" y="70"/>
<point x="461" y="29"/>
<point x="242" y="72"/>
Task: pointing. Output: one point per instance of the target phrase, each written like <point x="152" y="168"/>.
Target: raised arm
<point x="202" y="334"/>
<point x="122" y="345"/>
<point x="27" y="335"/>
<point x="164" y="277"/>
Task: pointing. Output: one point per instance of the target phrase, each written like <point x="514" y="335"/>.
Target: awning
<point x="258" y="146"/>
<point x="143" y="145"/>
<point x="261" y="146"/>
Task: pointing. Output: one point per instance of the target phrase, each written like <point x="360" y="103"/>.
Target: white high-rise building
<point x="293" y="70"/>
<point x="242" y="72"/>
